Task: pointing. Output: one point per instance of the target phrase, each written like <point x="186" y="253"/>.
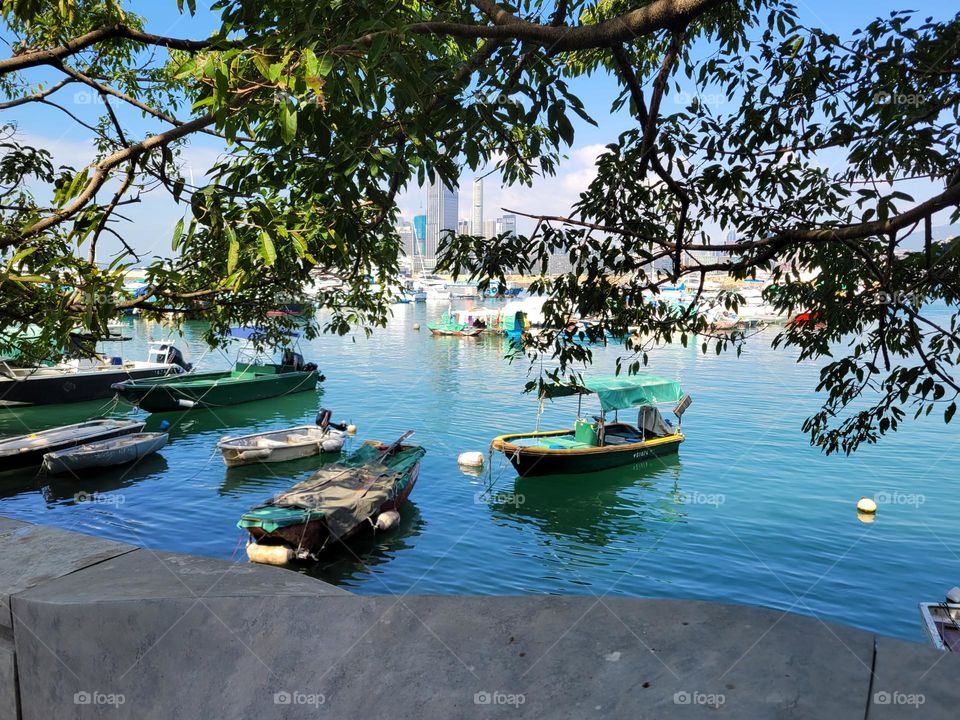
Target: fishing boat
<point x="104" y="453"/>
<point x="365" y="490"/>
<point x="248" y="381"/>
<point x="598" y="444"/>
<point x="282" y="445"/>
<point x="25" y="451"/>
<point x="83" y="379"/>
<point x="448" y="325"/>
<point x="941" y="622"/>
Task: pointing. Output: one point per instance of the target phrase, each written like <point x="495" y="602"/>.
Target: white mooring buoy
<point x="269" y="554"/>
<point x="416" y="326"/>
<point x="387" y="520"/>
<point x="470" y="459"/>
<point x="351" y="429"/>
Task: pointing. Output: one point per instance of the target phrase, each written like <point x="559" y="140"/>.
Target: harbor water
<point x="747" y="512"/>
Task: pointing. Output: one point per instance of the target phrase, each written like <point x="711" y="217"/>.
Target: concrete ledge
<point x="159" y="635"/>
<point x="34" y="554"/>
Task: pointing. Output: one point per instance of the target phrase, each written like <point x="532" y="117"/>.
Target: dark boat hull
<point x="535" y="462"/>
<point x="315" y="535"/>
<point x="33" y="457"/>
<point x="59" y="389"/>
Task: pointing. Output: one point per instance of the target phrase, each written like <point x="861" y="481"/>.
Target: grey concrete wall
<point x="132" y="633"/>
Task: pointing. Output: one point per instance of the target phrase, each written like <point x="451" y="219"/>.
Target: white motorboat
<point x="78" y="380"/>
<point x="283" y="445"/>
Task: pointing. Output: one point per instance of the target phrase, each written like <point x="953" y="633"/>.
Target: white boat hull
<point x="280" y="445"/>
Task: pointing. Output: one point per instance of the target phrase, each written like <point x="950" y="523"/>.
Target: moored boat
<point x="282" y="445"/>
<point x="25" y="451"/>
<point x="80" y="380"/>
<point x="448" y="325"/>
<point x="600" y="445"/>
<point x="941" y="622"/>
<point x="365" y="490"/>
<point x="246" y="382"/>
<point x="104" y="453"/>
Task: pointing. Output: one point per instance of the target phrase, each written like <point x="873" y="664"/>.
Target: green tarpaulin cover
<point x="621" y="392"/>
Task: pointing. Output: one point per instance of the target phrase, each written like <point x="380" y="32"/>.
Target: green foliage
<point x="794" y="138"/>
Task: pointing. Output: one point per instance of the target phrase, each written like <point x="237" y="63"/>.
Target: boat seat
<point x="562" y="443"/>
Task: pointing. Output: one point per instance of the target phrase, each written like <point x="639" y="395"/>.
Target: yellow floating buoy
<point x="351" y="429"/>
<point x="470" y="459"/>
<point x="416" y="326"/>
<point x="866" y="505"/>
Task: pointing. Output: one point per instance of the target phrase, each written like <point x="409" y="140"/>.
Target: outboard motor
<point x="323" y="421"/>
<point x="176" y="357"/>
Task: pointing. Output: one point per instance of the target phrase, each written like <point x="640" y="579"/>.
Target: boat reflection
<point x="261" y="415"/>
<point x="98" y="484"/>
<point x="594" y="508"/>
<point x="353" y="563"/>
<point x="21" y="419"/>
<point x="70" y="489"/>
<point x="258" y="481"/>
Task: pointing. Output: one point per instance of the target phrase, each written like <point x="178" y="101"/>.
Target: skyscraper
<point x="509" y="224"/>
<point x="420" y="232"/>
<point x="442" y="213"/>
<point x="476" y="227"/>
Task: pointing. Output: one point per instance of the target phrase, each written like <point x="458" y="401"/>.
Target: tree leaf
<point x="267" y="251"/>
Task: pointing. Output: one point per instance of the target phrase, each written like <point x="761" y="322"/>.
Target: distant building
<point x="420" y="232"/>
<point x="476" y="221"/>
<point x="489" y="228"/>
<point x="442" y="214"/>
<point x="407" y="238"/>
<point x="463" y="227"/>
<point x="508" y="223"/>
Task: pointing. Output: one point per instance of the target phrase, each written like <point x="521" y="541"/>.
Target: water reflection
<point x="594" y="508"/>
<point x="63" y="489"/>
<point x="350" y="564"/>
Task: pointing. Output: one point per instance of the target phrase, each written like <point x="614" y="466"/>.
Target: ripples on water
<point x="747" y="512"/>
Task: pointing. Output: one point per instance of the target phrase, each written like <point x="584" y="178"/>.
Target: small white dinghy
<point x="283" y="445"/>
<point x="104" y="453"/>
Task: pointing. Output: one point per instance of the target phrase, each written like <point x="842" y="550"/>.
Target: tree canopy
<point x="327" y="110"/>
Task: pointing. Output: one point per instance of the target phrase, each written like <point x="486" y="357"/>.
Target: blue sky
<point x="156" y="216"/>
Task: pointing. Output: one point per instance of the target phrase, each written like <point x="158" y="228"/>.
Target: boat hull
<point x="538" y="461"/>
<point x="107" y="453"/>
<point x="70" y="388"/>
<point x="308" y="538"/>
<point x="314" y="534"/>
<point x="215" y="390"/>
<point x="243" y="450"/>
<point x="470" y="332"/>
<point x="32" y="447"/>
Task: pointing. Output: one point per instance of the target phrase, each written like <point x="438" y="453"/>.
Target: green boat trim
<point x="336" y="501"/>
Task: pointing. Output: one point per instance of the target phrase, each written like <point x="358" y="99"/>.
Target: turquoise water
<point x="747" y="512"/>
